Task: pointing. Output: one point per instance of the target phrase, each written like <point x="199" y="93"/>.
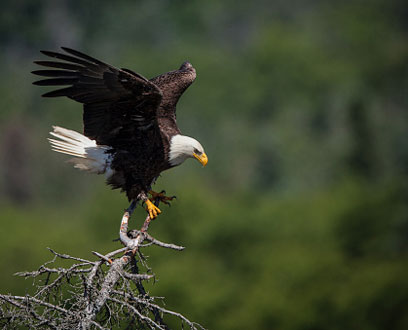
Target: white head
<point x="183" y="147"/>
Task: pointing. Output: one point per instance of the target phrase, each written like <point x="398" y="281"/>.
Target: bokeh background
<point x="299" y="220"/>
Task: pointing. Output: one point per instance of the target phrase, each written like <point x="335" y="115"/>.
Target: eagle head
<point x="183" y="147"/>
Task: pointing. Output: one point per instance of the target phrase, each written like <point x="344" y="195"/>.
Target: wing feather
<point x="84" y="56"/>
<point x="115" y="100"/>
<point x="60" y="65"/>
<point x="53" y="73"/>
<point x="173" y="84"/>
<point x="66" y="58"/>
<point x="56" y="82"/>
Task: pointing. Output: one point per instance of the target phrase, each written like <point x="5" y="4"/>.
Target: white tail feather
<point x="90" y="156"/>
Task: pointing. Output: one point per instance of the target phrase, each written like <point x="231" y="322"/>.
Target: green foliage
<point x="299" y="221"/>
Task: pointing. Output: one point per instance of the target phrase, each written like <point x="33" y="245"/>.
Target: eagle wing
<point x="172" y="85"/>
<point x="119" y="104"/>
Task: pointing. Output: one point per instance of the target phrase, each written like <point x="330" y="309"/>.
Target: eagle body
<point x="130" y="129"/>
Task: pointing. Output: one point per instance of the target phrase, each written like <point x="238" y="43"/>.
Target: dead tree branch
<point x="93" y="294"/>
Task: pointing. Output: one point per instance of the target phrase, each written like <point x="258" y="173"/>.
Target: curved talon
<point x="161" y="196"/>
<point x="152" y="209"/>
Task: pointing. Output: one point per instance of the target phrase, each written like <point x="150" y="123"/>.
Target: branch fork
<point x="101" y="291"/>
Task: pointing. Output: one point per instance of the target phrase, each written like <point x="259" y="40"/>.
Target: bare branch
<point x="151" y="305"/>
<point x="140" y="316"/>
<point x="66" y="256"/>
<point x="44" y="321"/>
<point x="162" y="244"/>
<point x="93" y="294"/>
<point x="109" y="261"/>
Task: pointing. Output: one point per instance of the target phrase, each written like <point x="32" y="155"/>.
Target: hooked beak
<point x="203" y="159"/>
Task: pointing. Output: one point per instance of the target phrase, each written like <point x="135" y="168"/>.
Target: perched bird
<point x="130" y="130"/>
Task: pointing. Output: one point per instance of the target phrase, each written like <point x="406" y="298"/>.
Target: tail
<point x="88" y="155"/>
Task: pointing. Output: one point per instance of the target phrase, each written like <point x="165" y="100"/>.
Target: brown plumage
<point x="132" y="119"/>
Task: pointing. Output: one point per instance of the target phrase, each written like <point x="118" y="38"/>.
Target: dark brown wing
<point x="119" y="104"/>
<point x="172" y="85"/>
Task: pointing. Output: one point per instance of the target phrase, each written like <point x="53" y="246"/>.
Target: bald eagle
<point x="130" y="130"/>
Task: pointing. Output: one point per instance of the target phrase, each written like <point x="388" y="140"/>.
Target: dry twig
<point x="92" y="294"/>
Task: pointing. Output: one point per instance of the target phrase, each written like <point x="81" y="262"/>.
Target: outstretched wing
<point x="172" y="85"/>
<point x="119" y="104"/>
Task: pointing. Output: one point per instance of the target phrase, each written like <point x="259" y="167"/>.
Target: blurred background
<point x="299" y="220"/>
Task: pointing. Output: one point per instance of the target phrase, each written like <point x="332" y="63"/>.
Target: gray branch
<point x="93" y="294"/>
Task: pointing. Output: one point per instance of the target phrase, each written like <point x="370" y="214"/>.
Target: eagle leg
<point x="152" y="209"/>
<point x="161" y="196"/>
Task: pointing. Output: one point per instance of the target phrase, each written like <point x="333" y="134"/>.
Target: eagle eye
<point x="197" y="152"/>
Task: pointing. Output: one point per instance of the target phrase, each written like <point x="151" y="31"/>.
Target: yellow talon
<point x="152" y="209"/>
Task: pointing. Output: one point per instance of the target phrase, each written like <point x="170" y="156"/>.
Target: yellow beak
<point x="203" y="159"/>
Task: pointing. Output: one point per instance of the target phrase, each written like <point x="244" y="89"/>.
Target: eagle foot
<point x="152" y="209"/>
<point x="161" y="197"/>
